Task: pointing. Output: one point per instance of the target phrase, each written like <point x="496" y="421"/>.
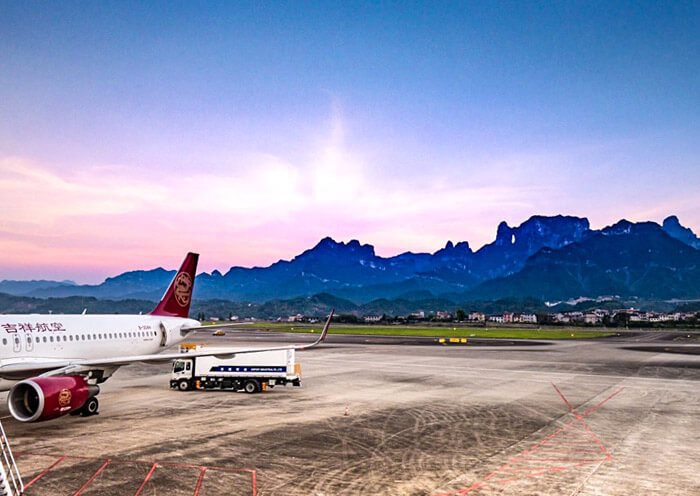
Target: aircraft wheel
<point x="90" y="407"/>
<point x="251" y="386"/>
<point x="183" y="385"/>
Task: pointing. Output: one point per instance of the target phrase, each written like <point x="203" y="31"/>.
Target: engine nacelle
<point x="45" y="398"/>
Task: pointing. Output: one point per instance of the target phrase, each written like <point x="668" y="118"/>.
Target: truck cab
<point x="182" y="373"/>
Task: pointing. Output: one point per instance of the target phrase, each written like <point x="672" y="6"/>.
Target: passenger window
<point x="4" y="341"/>
<point x="51" y="339"/>
<point x="45" y="339"/>
<point x="187" y="366"/>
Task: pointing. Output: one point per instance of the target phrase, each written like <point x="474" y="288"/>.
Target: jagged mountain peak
<point x="558" y="229"/>
<point x="672" y="221"/>
<point x="459" y="250"/>
<point x="675" y="229"/>
<point x="328" y="246"/>
<point x="627" y="258"/>
<point x="624" y="226"/>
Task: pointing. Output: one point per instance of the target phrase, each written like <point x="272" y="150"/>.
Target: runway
<point x="393" y="417"/>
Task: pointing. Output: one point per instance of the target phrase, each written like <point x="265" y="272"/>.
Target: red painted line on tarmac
<point x="602" y="402"/>
<point x="572" y="443"/>
<point x="538" y="474"/>
<point x="506" y="481"/>
<point x="530" y="469"/>
<point x="474" y="487"/>
<point x="145" y="481"/>
<point x="94" y="476"/>
<point x="576" y="432"/>
<point x="162" y="464"/>
<point x="199" y="482"/>
<point x="202" y="468"/>
<point x="46" y="470"/>
<point x="573" y="410"/>
<point x="551" y="445"/>
<point x="599" y="450"/>
<point x="563" y="460"/>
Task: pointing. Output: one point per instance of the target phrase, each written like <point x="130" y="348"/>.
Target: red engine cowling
<point x="45" y="398"/>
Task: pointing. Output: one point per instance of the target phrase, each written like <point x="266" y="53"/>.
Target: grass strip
<point x="437" y="332"/>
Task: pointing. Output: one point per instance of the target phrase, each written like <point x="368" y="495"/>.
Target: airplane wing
<point x="69" y="366"/>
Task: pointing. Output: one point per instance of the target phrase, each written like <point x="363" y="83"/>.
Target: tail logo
<point x="183" y="289"/>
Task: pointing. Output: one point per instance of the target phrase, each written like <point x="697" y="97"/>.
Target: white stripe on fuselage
<point x="45" y="338"/>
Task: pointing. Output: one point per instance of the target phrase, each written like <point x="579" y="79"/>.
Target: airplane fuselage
<point x="43" y="338"/>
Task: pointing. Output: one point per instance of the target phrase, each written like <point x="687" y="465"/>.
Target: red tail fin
<point x="176" y="300"/>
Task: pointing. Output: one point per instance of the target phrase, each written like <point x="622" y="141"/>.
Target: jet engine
<point x="45" y="398"/>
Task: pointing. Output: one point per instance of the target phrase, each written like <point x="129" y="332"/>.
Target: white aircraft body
<point x="52" y="365"/>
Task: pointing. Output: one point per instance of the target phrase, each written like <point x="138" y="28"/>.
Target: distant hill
<point x="138" y="284"/>
<point x="21" y="288"/>
<point x="548" y="258"/>
<point x="71" y="305"/>
<point x="625" y="259"/>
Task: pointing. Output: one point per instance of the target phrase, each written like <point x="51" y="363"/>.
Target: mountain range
<point x="547" y="258"/>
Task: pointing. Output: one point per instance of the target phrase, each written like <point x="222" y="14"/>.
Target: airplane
<point x="52" y="365"/>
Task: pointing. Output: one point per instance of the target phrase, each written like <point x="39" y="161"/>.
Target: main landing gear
<point x="88" y="409"/>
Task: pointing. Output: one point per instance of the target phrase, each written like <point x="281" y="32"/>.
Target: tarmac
<point x="392" y="416"/>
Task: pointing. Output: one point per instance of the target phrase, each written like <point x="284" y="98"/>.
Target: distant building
<point x="372" y="318"/>
<point x="592" y="318"/>
<point x="477" y="316"/>
<point x="527" y="318"/>
<point x="443" y="315"/>
<point x="561" y="318"/>
<point x="575" y="316"/>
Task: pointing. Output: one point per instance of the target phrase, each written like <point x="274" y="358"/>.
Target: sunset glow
<point x="132" y="134"/>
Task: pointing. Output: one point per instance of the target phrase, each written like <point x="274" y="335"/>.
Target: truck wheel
<point x="183" y="385"/>
<point x="251" y="386"/>
<point x="90" y="407"/>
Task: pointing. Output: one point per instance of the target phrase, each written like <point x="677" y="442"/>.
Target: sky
<point x="131" y="133"/>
